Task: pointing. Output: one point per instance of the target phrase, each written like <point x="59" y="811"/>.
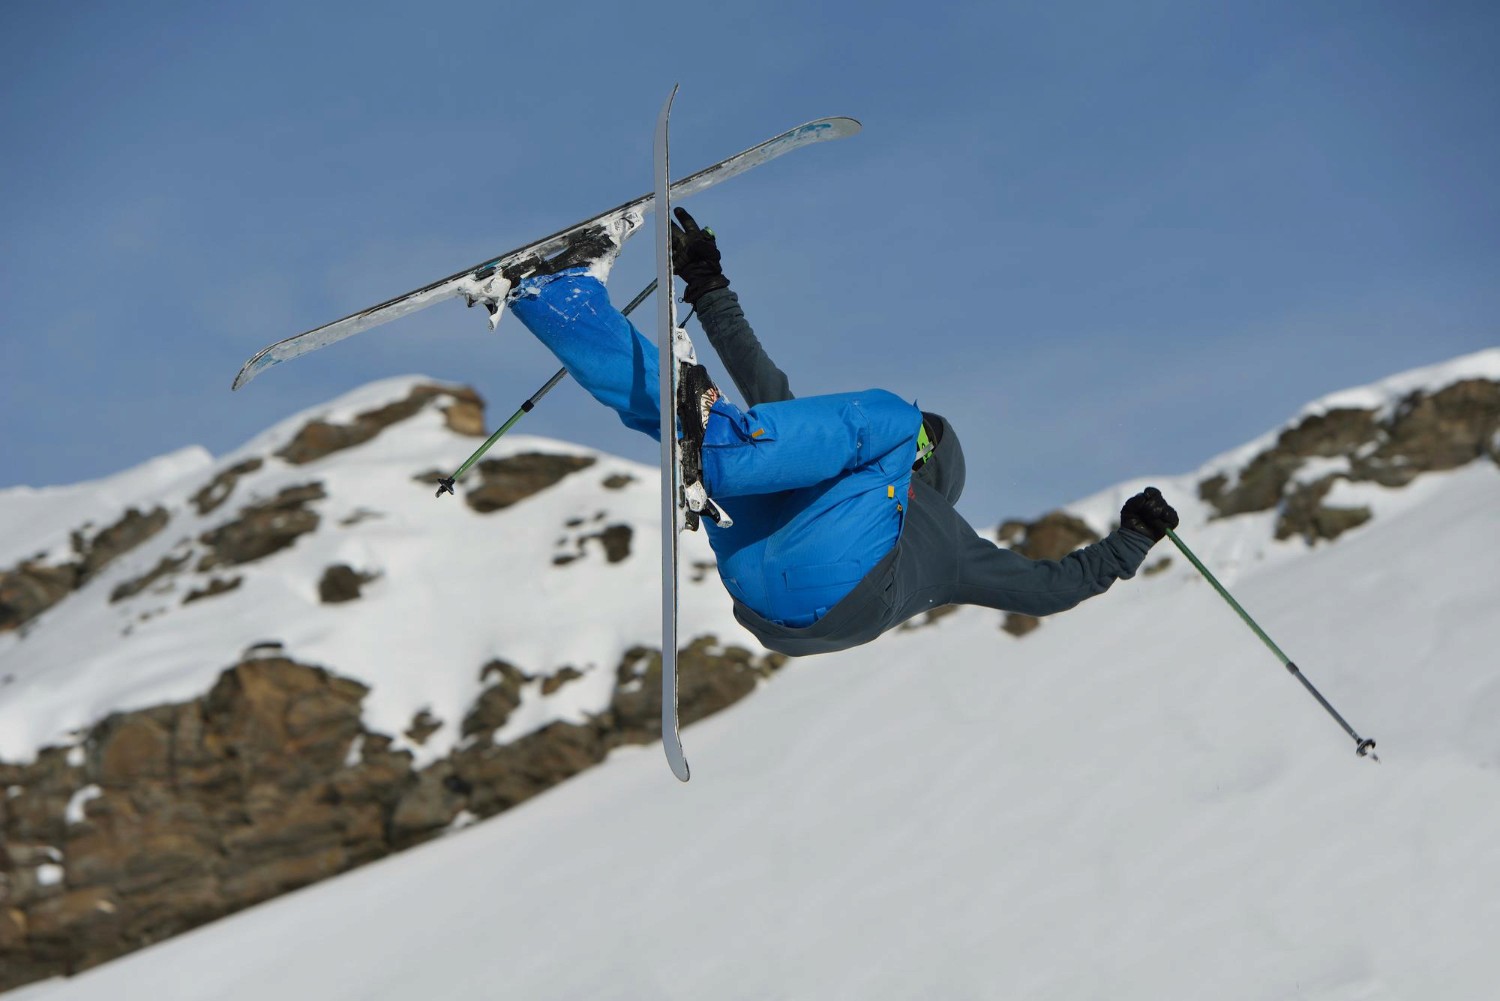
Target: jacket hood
<point x="945" y="469"/>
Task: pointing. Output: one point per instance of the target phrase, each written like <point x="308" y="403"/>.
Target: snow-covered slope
<point x="452" y="588"/>
<point x="1135" y="801"/>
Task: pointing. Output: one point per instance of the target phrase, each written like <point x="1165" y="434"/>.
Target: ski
<point x="671" y="449"/>
<point x="488" y="282"/>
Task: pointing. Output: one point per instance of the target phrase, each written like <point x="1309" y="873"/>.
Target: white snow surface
<point x="1134" y="802"/>
<point x="455" y="589"/>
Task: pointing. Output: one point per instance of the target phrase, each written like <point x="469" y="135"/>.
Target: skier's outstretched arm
<point x="1000" y="578"/>
<point x="695" y="256"/>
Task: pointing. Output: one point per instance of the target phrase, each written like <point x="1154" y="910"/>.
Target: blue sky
<point x="1106" y="240"/>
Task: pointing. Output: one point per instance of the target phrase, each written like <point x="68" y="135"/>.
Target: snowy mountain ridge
<point x="424" y="684"/>
<point x="449" y="562"/>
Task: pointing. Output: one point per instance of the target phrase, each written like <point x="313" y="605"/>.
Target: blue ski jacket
<point x="896" y="530"/>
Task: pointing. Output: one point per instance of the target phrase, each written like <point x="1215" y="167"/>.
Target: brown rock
<point x="1427" y="432"/>
<point x="280" y="719"/>
<point x="89" y="913"/>
<point x="554" y="682"/>
<point x="30" y="589"/>
<point x="423" y="725"/>
<point x="165" y="567"/>
<point x="1019" y="625"/>
<point x="262" y="529"/>
<point x="709" y="678"/>
<point x="616" y="542"/>
<point x="497" y="702"/>
<point x="1304" y="513"/>
<point x="1328" y="435"/>
<point x="506" y="481"/>
<point x="498" y="777"/>
<point x="1011" y="532"/>
<point x="1431" y="433"/>
<point x="341" y="583"/>
<point x="129" y="747"/>
<point x="21" y="873"/>
<point x="153" y="915"/>
<point x="124" y="535"/>
<point x="1051" y="537"/>
<point x="214" y="587"/>
<point x="13" y="927"/>
<point x="1056" y="535"/>
<point x="428" y="806"/>
<point x="217" y="491"/>
<point x="269" y="782"/>
<point x="279" y="875"/>
<point x="464" y="413"/>
<point x="1160" y="566"/>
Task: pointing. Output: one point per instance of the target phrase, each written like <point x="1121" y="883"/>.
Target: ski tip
<point x="252" y="368"/>
<point x="676" y="760"/>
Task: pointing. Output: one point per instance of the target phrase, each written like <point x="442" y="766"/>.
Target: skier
<point x="842" y="505"/>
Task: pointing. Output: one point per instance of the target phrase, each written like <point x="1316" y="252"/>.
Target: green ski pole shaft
<point x="1362" y="745"/>
<point x="445" y="486"/>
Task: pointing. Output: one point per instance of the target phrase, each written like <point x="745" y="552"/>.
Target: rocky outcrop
<point x="463" y="413"/>
<point x="165" y="818"/>
<point x="1304" y="513"/>
<point x="262" y="529"/>
<point x="34" y="586"/>
<point x="613" y="540"/>
<point x="1426" y="432"/>
<point x="341" y="582"/>
<point x="30" y="589"/>
<point x="98" y="551"/>
<point x="507" y="481"/>
<point x="1019" y="625"/>
<point x="618" y="481"/>
<point x="217" y="490"/>
<point x="212" y="588"/>
<point x="166" y="567"/>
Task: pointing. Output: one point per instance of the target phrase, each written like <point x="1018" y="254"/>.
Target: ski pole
<point x="1362" y="745"/>
<point x="445" y="486"/>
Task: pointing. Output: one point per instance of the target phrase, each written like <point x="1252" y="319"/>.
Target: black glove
<point x="695" y="258"/>
<point x="1149" y="514"/>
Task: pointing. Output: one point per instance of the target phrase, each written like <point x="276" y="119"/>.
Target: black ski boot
<point x="696" y="396"/>
<point x="596" y="245"/>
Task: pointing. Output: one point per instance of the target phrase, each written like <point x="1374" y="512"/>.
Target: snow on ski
<point x="671" y="487"/>
<point x="486" y="283"/>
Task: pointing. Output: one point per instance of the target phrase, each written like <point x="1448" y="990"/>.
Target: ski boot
<point x="696" y="396"/>
<point x="594" y="247"/>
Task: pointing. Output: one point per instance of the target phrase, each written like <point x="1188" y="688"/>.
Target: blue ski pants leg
<point x="571" y="314"/>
